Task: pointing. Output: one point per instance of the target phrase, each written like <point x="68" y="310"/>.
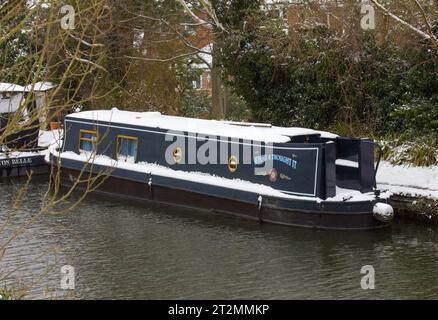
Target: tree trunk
<point x="219" y="92"/>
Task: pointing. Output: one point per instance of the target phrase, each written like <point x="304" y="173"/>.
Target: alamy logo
<point x="209" y="150"/>
<point x="368" y="21"/>
<point x="68" y="20"/>
<point x="67" y="277"/>
<point x="368" y="280"/>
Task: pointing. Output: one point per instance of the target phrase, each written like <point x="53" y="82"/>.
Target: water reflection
<point x="124" y="250"/>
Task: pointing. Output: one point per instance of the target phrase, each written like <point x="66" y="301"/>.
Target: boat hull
<point x="23" y="166"/>
<point x="214" y="199"/>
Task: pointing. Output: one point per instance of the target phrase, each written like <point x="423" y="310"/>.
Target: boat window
<point x="233" y="164"/>
<point x="87" y="141"/>
<point x="127" y="148"/>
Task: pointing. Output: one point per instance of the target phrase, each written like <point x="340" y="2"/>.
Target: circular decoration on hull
<point x="273" y="176"/>
<point x="233" y="163"/>
<point x="177" y="155"/>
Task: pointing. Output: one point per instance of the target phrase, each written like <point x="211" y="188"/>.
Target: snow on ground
<point x="408" y="180"/>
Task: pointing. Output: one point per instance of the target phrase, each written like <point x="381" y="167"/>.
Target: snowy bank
<point x="408" y="180"/>
<point x="414" y="190"/>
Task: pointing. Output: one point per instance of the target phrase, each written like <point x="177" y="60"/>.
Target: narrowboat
<point x="21" y="150"/>
<point x="24" y="152"/>
<point x="287" y="176"/>
<point x="23" y="163"/>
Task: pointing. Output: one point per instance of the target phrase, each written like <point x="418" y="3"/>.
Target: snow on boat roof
<point x="286" y="131"/>
<point x="40" y="86"/>
<point x="10" y="87"/>
<point x="254" y="132"/>
<point x="296" y="131"/>
<point x="157" y="120"/>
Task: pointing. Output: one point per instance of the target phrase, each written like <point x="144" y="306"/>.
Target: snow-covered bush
<point x="419" y="151"/>
<point x="320" y="77"/>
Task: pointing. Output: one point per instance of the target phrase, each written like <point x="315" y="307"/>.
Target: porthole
<point x="233" y="163"/>
<point x="177" y="155"/>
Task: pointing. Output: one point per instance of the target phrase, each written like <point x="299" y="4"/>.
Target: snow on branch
<point x="209" y="10"/>
<point x="428" y="36"/>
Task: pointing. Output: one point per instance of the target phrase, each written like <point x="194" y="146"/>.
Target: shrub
<point x="406" y="150"/>
<point x="5" y="294"/>
<point x="197" y="104"/>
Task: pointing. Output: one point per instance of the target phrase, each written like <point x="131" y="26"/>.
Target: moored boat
<point x="25" y="161"/>
<point x="290" y="176"/>
<point x="23" y="145"/>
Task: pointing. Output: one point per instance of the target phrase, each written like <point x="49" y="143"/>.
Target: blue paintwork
<point x="300" y="167"/>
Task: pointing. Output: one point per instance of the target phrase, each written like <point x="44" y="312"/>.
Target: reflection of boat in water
<point x="289" y="176"/>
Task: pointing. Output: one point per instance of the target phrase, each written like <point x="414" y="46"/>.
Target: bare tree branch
<point x="428" y="36"/>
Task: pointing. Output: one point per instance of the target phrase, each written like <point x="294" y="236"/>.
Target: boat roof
<point x="10" y="87"/>
<point x="38" y="86"/>
<point x="286" y="131"/>
<point x="296" y="131"/>
<point x="252" y="132"/>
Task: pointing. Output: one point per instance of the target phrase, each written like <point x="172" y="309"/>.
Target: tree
<point x="424" y="19"/>
<point x="341" y="78"/>
<point x="36" y="47"/>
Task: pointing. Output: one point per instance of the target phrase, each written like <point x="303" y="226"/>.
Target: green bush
<point x="237" y="109"/>
<point x="5" y="294"/>
<point x="419" y="115"/>
<point x="197" y="104"/>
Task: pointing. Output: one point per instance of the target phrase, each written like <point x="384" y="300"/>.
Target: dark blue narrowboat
<point x="20" y="152"/>
<point x="22" y="149"/>
<point x="288" y="176"/>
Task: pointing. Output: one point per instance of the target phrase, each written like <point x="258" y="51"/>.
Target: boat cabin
<point x="296" y="161"/>
<point x="17" y="108"/>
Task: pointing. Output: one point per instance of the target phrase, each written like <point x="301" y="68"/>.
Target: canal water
<point x="122" y="250"/>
